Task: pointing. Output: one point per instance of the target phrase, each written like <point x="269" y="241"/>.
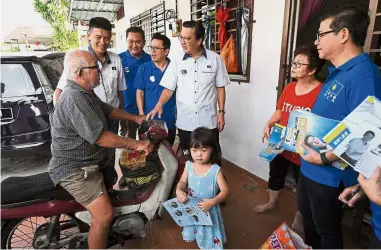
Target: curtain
<point x="308" y="10"/>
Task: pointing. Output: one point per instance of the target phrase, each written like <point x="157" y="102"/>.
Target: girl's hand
<point x="181" y="196"/>
<point x="206" y="205"/>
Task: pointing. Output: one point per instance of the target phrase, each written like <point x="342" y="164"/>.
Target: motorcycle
<point x="37" y="214"/>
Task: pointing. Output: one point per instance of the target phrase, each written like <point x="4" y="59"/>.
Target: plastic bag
<point x="284" y="238"/>
<point x="229" y="56"/>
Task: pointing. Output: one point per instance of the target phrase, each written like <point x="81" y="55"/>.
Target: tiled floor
<point x="244" y="228"/>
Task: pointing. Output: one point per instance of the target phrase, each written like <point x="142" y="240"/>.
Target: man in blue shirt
<point x="132" y="59"/>
<point x="352" y="78"/>
<point x="147" y="83"/>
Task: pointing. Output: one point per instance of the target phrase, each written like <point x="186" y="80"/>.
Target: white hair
<point x="74" y="61"/>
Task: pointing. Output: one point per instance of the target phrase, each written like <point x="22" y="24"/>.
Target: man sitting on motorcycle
<point x="79" y="135"/>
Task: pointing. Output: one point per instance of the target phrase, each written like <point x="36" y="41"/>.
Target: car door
<point x="24" y="111"/>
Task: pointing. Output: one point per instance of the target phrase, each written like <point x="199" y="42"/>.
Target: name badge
<point x="114" y="68"/>
<point x="183" y="71"/>
<point x="209" y="66"/>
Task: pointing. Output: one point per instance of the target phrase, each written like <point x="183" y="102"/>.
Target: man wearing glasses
<point x="79" y="135"/>
<point x="147" y="83"/>
<point x="111" y="75"/>
<point x="199" y="79"/>
<point x="352" y="78"/>
<point x="132" y="59"/>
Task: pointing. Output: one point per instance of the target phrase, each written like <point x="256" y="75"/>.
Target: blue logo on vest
<point x="333" y="91"/>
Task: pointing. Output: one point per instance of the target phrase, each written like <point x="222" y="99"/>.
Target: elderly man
<point x="79" y="136"/>
<point x="199" y="79"/>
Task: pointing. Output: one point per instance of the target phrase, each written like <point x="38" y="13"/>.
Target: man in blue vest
<point x="132" y="58"/>
<point x="352" y="78"/>
<point x="147" y="83"/>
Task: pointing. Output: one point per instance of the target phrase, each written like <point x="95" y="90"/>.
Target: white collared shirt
<point x="112" y="80"/>
<point x="195" y="82"/>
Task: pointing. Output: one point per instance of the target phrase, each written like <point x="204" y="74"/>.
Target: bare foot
<point x="297" y="225"/>
<point x="265" y="207"/>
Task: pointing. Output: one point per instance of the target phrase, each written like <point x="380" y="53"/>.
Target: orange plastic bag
<point x="284" y="238"/>
<point x="229" y="56"/>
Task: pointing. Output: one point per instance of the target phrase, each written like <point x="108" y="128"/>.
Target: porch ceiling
<point x="84" y="10"/>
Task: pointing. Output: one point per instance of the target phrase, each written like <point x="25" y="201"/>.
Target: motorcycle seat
<point x="33" y="188"/>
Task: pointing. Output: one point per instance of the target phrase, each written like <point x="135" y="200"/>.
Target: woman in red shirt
<point x="298" y="95"/>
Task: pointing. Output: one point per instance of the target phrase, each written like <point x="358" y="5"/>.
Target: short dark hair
<point x="135" y="29"/>
<point x="100" y="22"/>
<point x="204" y="137"/>
<point x="370" y="132"/>
<point x="163" y="38"/>
<point x="199" y="30"/>
<point x="310" y="51"/>
<point x="353" y="17"/>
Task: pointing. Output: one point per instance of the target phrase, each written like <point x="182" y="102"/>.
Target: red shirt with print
<point x="288" y="102"/>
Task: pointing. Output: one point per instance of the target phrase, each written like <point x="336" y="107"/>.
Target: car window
<point x="54" y="70"/>
<point x="16" y="81"/>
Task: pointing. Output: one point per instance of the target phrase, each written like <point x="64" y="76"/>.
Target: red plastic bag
<point x="284" y="238"/>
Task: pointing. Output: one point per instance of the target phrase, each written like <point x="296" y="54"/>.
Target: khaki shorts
<point x="85" y="184"/>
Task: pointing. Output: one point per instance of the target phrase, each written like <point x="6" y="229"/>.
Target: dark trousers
<point x="113" y="126"/>
<point x="278" y="172"/>
<point x="132" y="128"/>
<point x="375" y="243"/>
<point x="322" y="213"/>
<point x="171" y="136"/>
<point x="184" y="137"/>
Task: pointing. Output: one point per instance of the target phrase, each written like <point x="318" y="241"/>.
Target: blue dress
<point x="205" y="187"/>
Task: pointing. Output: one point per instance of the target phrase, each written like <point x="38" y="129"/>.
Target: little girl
<point x="204" y="178"/>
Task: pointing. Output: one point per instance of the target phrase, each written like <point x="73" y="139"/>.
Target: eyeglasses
<point x="154" y="49"/>
<point x="184" y="39"/>
<point x="321" y="34"/>
<point x="91" y="67"/>
<point x="298" y="64"/>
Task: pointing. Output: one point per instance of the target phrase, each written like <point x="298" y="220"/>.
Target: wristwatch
<point x="324" y="159"/>
<point x="221" y="111"/>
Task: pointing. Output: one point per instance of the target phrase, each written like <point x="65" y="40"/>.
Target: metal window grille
<point x="151" y="21"/>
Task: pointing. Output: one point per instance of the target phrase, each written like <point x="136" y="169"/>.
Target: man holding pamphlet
<point x="352" y="78"/>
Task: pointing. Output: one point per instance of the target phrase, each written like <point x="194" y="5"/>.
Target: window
<point x="17" y="81"/>
<point x="373" y="40"/>
<point x="151" y="21"/>
<point x="204" y="10"/>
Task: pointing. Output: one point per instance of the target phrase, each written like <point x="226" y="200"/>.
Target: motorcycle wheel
<point x="23" y="233"/>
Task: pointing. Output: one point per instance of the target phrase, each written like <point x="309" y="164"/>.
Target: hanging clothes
<point x="208" y="34"/>
<point x="245" y="38"/>
<point x="229" y="56"/>
<point x="238" y="18"/>
<point x="222" y="16"/>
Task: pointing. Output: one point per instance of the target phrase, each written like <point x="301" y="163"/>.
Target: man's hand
<point x="345" y="196"/>
<point x="139" y="119"/>
<point x="266" y="132"/>
<point x="312" y="156"/>
<point x="145" y="146"/>
<point x="206" y="205"/>
<point x="221" y="121"/>
<point x="157" y="110"/>
<point x="123" y="128"/>
<point x="181" y="196"/>
<point x="372" y="186"/>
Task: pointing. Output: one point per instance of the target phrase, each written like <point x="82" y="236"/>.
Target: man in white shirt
<point x="199" y="78"/>
<point x="112" y="81"/>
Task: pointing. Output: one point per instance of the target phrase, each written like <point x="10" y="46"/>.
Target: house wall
<point x="248" y="105"/>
